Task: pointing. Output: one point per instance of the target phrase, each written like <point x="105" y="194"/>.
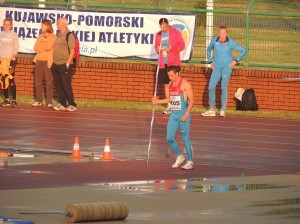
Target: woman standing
<point x="222" y="65"/>
<point x="43" y="61"/>
<point x="9" y="47"/>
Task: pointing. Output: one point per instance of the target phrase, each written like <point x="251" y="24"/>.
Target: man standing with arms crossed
<point x="181" y="99"/>
<point x="62" y="66"/>
<point x="168" y="44"/>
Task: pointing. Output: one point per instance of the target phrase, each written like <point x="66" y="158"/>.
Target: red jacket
<point x="177" y="43"/>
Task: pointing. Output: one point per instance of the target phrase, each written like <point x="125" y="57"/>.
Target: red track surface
<point x="223" y="147"/>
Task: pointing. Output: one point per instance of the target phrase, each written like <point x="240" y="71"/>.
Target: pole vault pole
<point x="153" y="104"/>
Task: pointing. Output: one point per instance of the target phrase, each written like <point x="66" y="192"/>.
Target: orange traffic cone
<point x="76" y="150"/>
<point x="106" y="154"/>
<point x="4" y="154"/>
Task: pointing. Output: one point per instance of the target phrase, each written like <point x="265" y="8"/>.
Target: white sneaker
<point x="49" y="105"/>
<point x="209" y="113"/>
<point x="188" y="166"/>
<point x="167" y="110"/>
<point x="36" y="104"/>
<point x="59" y="107"/>
<point x="71" y="108"/>
<point x="179" y="160"/>
<point x="222" y="113"/>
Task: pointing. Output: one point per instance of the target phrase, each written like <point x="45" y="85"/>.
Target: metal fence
<point x="269" y="29"/>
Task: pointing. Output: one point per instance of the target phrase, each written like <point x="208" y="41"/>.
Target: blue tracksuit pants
<point x="173" y="125"/>
<point x="217" y="74"/>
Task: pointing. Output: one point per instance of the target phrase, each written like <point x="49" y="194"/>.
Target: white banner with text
<point x="102" y="34"/>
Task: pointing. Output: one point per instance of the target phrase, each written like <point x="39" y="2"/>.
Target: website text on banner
<point x="102" y="34"/>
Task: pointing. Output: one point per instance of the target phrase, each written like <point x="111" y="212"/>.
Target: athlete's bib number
<point x="175" y="103"/>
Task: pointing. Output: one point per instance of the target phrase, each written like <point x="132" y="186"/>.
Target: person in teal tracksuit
<point x="221" y="65"/>
<point x="181" y="102"/>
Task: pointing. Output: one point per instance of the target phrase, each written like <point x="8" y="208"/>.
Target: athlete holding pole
<point x="181" y="101"/>
<point x="168" y="45"/>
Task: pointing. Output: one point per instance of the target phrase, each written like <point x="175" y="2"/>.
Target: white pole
<point x="209" y="22"/>
<point x="153" y="104"/>
<point x="73" y="6"/>
<point x="41" y="5"/>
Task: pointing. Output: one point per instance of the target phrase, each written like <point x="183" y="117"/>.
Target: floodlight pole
<point x="42" y="5"/>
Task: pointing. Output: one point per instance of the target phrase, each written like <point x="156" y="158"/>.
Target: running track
<point x="222" y="146"/>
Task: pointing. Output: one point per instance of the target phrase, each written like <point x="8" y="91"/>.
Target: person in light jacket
<point x="222" y="65"/>
<point x="9" y="48"/>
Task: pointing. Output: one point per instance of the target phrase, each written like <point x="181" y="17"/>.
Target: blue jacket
<point x="223" y="52"/>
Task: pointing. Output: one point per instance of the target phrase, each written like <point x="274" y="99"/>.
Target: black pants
<point x="62" y="77"/>
<point x="12" y="84"/>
